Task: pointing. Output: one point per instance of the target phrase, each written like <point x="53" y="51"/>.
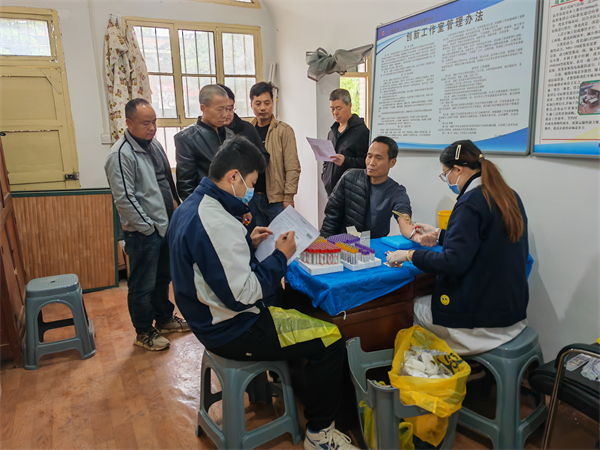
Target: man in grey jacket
<point x="144" y="193"/>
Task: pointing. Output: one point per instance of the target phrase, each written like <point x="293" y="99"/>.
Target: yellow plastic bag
<point x="368" y="424"/>
<point x="442" y="397"/>
<point x="294" y="327"/>
<point x="405" y="433"/>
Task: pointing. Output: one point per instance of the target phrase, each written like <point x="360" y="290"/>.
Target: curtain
<point x="126" y="75"/>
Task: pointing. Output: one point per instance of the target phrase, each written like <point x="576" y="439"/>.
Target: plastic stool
<point x="42" y="292"/>
<point x="508" y="363"/>
<point x="235" y="378"/>
<point x="388" y="409"/>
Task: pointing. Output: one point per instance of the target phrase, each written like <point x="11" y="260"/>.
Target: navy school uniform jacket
<point x="220" y="287"/>
<point x="481" y="277"/>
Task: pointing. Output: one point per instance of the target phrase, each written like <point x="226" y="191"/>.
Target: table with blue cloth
<point x="341" y="291"/>
<point x="373" y="304"/>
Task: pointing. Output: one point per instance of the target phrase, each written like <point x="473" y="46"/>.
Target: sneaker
<point x="151" y="340"/>
<point x="327" y="439"/>
<point x="174" y="324"/>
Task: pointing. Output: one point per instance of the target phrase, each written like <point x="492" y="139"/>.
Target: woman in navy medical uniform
<point x="480" y="297"/>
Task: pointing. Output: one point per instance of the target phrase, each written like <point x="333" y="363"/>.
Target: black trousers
<point x="323" y="372"/>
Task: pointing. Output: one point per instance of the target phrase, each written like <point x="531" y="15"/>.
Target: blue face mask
<point x="249" y="192"/>
<point x="453" y="187"/>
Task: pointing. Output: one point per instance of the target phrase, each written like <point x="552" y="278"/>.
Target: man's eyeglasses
<point x="444" y="175"/>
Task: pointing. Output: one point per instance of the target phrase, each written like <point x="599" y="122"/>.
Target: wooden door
<point x="35" y="110"/>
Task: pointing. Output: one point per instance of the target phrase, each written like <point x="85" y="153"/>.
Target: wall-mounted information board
<point x="462" y="70"/>
<point x="568" y="101"/>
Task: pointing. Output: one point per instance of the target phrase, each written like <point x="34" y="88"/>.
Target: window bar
<point x="162" y="101"/>
<point x="182" y="46"/>
<point x="245" y="56"/>
<point x="197" y="52"/>
<point x="210" y="53"/>
<point x="157" y="56"/>
<point x="187" y="92"/>
<point x="232" y="54"/>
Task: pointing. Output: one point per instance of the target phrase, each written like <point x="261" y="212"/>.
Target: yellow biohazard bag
<point x="442" y="397"/>
<point x="405" y="433"/>
<point x="368" y="424"/>
<point x="293" y="327"/>
<point x="405" y="429"/>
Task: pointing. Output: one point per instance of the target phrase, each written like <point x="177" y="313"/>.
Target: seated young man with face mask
<point x="225" y="292"/>
<point x="366" y="198"/>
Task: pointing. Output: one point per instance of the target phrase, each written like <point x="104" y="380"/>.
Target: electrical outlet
<point x="105" y="138"/>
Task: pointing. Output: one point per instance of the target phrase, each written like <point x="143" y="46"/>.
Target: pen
<point x="285" y="236"/>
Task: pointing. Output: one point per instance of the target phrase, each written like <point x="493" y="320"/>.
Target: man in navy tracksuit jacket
<point x="224" y="292"/>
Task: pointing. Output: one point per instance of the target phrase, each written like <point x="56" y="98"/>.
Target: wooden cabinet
<point x="12" y="276"/>
<point x="376" y="322"/>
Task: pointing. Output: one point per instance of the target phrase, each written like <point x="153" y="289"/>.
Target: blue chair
<point x="388" y="409"/>
<point x="41" y="292"/>
<point x="236" y="378"/>
<point x="507" y="364"/>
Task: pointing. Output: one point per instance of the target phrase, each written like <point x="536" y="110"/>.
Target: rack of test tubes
<point x="355" y="256"/>
<point x="336" y="252"/>
<point x="321" y="257"/>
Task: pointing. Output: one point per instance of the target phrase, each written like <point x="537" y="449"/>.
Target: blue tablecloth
<point x="337" y="292"/>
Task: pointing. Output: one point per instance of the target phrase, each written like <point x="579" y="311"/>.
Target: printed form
<point x="288" y="220"/>
<point x="322" y="148"/>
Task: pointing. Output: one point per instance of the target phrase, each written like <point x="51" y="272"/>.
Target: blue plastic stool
<point x="42" y="292"/>
<point x="508" y="363"/>
<point x="235" y="378"/>
<point x="388" y="409"/>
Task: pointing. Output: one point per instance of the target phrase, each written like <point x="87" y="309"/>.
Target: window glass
<point x="24" y="37"/>
<point x="197" y="51"/>
<point x="238" y="54"/>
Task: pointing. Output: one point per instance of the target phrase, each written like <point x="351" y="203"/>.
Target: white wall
<point x="83" y="24"/>
<point x="560" y="195"/>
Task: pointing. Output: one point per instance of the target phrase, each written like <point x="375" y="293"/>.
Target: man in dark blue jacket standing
<point x="224" y="291"/>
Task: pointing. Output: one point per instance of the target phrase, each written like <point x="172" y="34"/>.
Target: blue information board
<point x="462" y="70"/>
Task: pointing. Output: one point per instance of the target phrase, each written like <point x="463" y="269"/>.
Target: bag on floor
<point x="442" y="397"/>
<point x="293" y="327"/>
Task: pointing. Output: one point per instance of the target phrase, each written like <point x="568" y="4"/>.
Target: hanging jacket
<point x="195" y="147"/>
<point x="353" y="143"/>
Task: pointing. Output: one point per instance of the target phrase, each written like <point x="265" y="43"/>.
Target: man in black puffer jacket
<point x="350" y="138"/>
<point x="365" y="199"/>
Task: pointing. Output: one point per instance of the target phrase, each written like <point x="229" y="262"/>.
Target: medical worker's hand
<point x="286" y="244"/>
<point x="426" y="240"/>
<point x="425" y="228"/>
<point x="258" y="235"/>
<point x="247" y="218"/>
<point x="396" y="258"/>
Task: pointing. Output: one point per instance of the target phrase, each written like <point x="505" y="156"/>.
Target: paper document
<point x="288" y="220"/>
<point x="323" y="148"/>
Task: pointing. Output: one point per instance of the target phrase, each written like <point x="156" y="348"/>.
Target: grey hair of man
<point x="340" y="94"/>
<point x="209" y="91"/>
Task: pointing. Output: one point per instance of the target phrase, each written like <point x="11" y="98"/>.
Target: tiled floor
<point x="128" y="398"/>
